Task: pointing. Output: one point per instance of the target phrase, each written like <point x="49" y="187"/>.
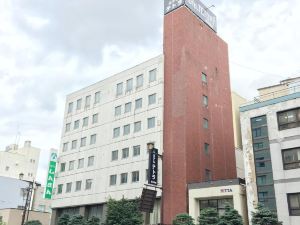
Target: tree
<point x="208" y="216"/>
<point x="33" y="222"/>
<point x="93" y="221"/>
<point x="123" y="212"/>
<point x="183" y="219"/>
<point x="64" y="219"/>
<point x="230" y="217"/>
<point x="2" y="223"/>
<point x="264" y="216"/>
<point x="76" y="220"/>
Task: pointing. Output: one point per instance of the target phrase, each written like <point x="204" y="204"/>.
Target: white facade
<point x="285" y="181"/>
<point x="15" y="161"/>
<point x="92" y="118"/>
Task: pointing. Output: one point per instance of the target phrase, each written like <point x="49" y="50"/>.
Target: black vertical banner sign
<point x="153" y="167"/>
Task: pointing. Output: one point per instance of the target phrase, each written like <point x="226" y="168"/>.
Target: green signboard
<point x="50" y="176"/>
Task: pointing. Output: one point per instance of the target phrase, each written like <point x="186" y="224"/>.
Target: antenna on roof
<point x="18" y="135"/>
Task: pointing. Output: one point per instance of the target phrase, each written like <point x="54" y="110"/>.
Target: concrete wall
<point x="14" y="216"/>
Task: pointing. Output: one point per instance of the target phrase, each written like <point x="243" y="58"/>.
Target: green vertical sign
<point x="50" y="176"/>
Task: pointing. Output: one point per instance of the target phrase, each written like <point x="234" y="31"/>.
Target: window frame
<point x="282" y="126"/>
<point x="289" y="204"/>
<point x="290" y="163"/>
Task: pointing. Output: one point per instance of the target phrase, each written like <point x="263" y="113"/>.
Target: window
<point x="135" y="176"/>
<point x="62" y="167"/>
<point x="68" y="187"/>
<point x="289" y="119"/>
<point x="147" y="174"/>
<point x="113" y="180"/>
<point x="78" y="185"/>
<point x="114" y="155"/>
<point x="206" y="148"/>
<point x="7" y="168"/>
<point x="116" y="132"/>
<point x="59" y="188"/>
<point x="205" y="101"/>
<point x="124" y="177"/>
<point x="118" y="110"/>
<point x="205" y="123"/>
<point x="152" y="75"/>
<point x="87" y="101"/>
<point x="71" y="165"/>
<point x="80" y="163"/>
<point x="97" y="97"/>
<point x="95" y="118"/>
<point x="85" y="122"/>
<point x="136" y="150"/>
<point x="119" y="89"/>
<point x="127" y="107"/>
<point x="68" y="127"/>
<point x="138" y="103"/>
<point x="257" y="132"/>
<point x="262" y="195"/>
<point x="88" y="184"/>
<point x="83" y="142"/>
<point x="74" y="144"/>
<point x="218" y="204"/>
<point x="126" y="129"/>
<point x="70" y="107"/>
<point x="261" y="180"/>
<point x="78" y="105"/>
<point x="125" y="153"/>
<point x="129" y="85"/>
<point x="76" y="124"/>
<point x="65" y="146"/>
<point x="208" y="175"/>
<point x="137" y="126"/>
<point x="139" y="81"/>
<point x="294" y="204"/>
<point x="151" y="122"/>
<point x="151" y="99"/>
<point x="93" y="139"/>
<point x="91" y="160"/>
<point x="291" y="158"/>
<point x="204" y="78"/>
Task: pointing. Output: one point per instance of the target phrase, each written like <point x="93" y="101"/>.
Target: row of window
<point x="139" y="82"/>
<point x="138" y="105"/>
<point x="136" y="151"/>
<point x="85" y="123"/>
<point x="137" y="126"/>
<point x="135" y="177"/>
<point x="87" y="102"/>
<point x="83" y="143"/>
<point x="80" y="164"/>
<point x="78" y="186"/>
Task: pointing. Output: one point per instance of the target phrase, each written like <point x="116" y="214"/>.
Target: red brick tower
<point x="192" y="47"/>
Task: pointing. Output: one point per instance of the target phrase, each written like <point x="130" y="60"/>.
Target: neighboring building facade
<point x="14" y="216"/>
<point x="15" y="161"/>
<point x="271" y="145"/>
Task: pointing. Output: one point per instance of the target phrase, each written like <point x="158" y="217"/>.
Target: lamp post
<point x="28" y="199"/>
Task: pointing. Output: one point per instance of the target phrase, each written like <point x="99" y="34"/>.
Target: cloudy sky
<point x="51" y="48"/>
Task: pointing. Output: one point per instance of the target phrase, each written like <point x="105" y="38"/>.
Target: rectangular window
<point x="76" y="124"/>
<point x="138" y="103"/>
<point x="126" y="129"/>
<point x="124" y="177"/>
<point x="206" y="148"/>
<point x="80" y="163"/>
<point x="289" y="119"/>
<point x="135" y="176"/>
<point x="204" y="78"/>
<point x="85" y="122"/>
<point x="59" y="188"/>
<point x="69" y="187"/>
<point x="70" y="107"/>
<point x="118" y="110"/>
<point x="74" y="144"/>
<point x="205" y="101"/>
<point x="294" y="204"/>
<point x="151" y="122"/>
<point x="93" y="139"/>
<point x="125" y="153"/>
<point x="129" y="85"/>
<point x="147" y="174"/>
<point x="71" y="165"/>
<point x="97" y="97"/>
<point x="119" y="89"/>
<point x="91" y="160"/>
<point x="95" y="118"/>
<point x="139" y="81"/>
<point x="136" y="150"/>
<point x="151" y="99"/>
<point x="88" y="184"/>
<point x="152" y="75"/>
<point x="261" y="180"/>
<point x="114" y="155"/>
<point x="291" y="158"/>
<point x="127" y="107"/>
<point x="113" y="180"/>
<point x="137" y="126"/>
<point x="68" y="127"/>
<point x="78" y="185"/>
<point x="62" y="167"/>
<point x="205" y="123"/>
<point x="87" y="101"/>
<point x="65" y="146"/>
<point x="116" y="132"/>
<point x="83" y="142"/>
<point x="78" y="105"/>
<point x="208" y="176"/>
